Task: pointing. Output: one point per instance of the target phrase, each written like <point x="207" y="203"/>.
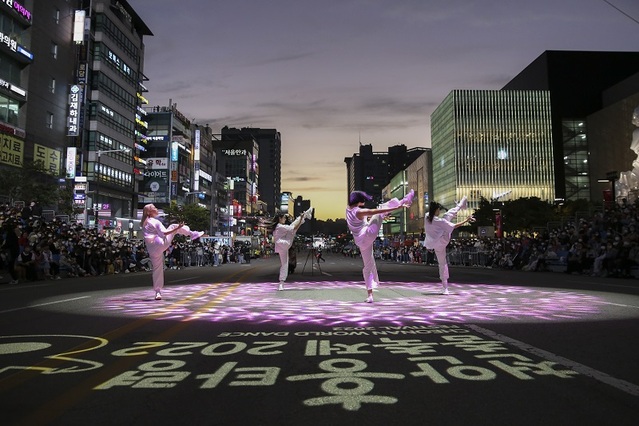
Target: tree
<point x="196" y="217"/>
<point x="517" y="215"/>
<point x="33" y="182"/>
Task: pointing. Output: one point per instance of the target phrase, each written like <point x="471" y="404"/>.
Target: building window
<point x="54" y="50"/>
<point x="9" y="110"/>
<point x="52" y="85"/>
<point x="56" y="16"/>
<point x="49" y="123"/>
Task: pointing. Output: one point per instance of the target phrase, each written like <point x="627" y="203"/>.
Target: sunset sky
<point x="329" y="74"/>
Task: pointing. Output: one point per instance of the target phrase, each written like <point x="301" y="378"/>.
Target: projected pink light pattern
<point x="339" y="303"/>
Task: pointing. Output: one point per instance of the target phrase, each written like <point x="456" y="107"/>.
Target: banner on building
<point x="49" y="157"/>
<point x="11" y="150"/>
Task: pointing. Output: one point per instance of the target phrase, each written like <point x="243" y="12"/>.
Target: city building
<point x="47" y="77"/>
<point x="286" y="203"/>
<point x="613" y="138"/>
<point x="578" y="83"/>
<point x="419" y="176"/>
<point x="104" y="123"/>
<point x="395" y="223"/>
<point x="71" y="85"/>
<point x="409" y="223"/>
<point x="32" y="130"/>
<point x="300" y="206"/>
<point x="169" y="174"/>
<point x="238" y="155"/>
<point x="269" y="164"/>
<point x="370" y="171"/>
<point x="493" y="144"/>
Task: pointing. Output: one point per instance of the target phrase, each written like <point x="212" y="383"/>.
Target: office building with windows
<point x="580" y="84"/>
<point x="492" y="144"/>
<point x="371" y="171"/>
<point x="268" y="191"/>
<point x="70" y="89"/>
<point x="16" y="60"/>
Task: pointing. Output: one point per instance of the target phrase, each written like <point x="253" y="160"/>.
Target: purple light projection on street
<point x="339" y="303"/>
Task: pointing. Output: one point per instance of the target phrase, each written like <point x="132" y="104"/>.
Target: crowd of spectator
<point x="604" y="244"/>
<point x="37" y="249"/>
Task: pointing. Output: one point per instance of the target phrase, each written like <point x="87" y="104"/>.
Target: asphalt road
<point x="224" y="347"/>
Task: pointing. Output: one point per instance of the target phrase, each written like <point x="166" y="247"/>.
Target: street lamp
<point x="97" y="178"/>
<point x="186" y="194"/>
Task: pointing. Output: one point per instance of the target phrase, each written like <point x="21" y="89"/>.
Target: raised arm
<point x="469" y="219"/>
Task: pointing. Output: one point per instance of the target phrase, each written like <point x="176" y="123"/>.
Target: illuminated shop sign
<point x="18" y="8"/>
<point x="196" y="161"/>
<point x="157" y="163"/>
<point x="73" y="119"/>
<point x="70" y="163"/>
<point x="234" y="152"/>
<point x="25" y="52"/>
<point x="12" y="88"/>
<point x="10" y="43"/>
<point x="14" y="46"/>
<point x="174" y="151"/>
<point x="78" y="26"/>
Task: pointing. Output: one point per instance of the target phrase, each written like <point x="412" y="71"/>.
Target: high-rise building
<point x="238" y="156"/>
<point x="181" y="165"/>
<point x="367" y="171"/>
<point x="492" y="144"/>
<point x="370" y="171"/>
<point x="70" y="91"/>
<point x="301" y="205"/>
<point x="576" y="81"/>
<point x="17" y="59"/>
<point x="48" y="78"/>
<point x="105" y="123"/>
<point x="269" y="162"/>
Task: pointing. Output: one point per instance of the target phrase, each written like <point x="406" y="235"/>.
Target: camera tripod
<point x="312" y="255"/>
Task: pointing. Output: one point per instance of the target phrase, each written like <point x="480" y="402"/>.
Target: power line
<point x="622" y="12"/>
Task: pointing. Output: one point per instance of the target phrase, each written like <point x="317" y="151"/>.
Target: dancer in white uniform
<point x="158" y="239"/>
<point x="283" y="235"/>
<point x="438" y="231"/>
<point x="364" y="224"/>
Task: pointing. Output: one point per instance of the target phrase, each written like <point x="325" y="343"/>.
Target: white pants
<point x="365" y="241"/>
<point x="156" y="247"/>
<point x="440" y="248"/>
<point x="283" y="253"/>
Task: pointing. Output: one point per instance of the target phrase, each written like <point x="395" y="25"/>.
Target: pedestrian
<point x="157" y="239"/>
<point x="284" y="231"/>
<point x="318" y="255"/>
<point x="438" y="231"/>
<point x="365" y="224"/>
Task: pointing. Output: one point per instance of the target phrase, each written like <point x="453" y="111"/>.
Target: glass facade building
<point x="492" y="144"/>
<point x="576" y="167"/>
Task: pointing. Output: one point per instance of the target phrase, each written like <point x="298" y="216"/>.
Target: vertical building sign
<point x="78" y="26"/>
<point x="75" y="95"/>
<point x="11" y="150"/>
<point x="71" y="161"/>
<point x="196" y="162"/>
